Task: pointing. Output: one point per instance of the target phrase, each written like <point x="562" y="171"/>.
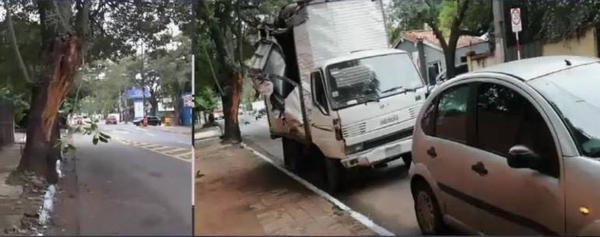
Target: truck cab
<point x="364" y="106"/>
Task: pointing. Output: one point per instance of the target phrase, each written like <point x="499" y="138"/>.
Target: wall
<point x="477" y="48"/>
<point x="481" y="61"/>
<point x="584" y="46"/>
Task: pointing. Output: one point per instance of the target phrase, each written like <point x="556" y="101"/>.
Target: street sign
<point x="515" y="20"/>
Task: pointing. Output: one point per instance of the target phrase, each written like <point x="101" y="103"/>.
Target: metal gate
<point x="7" y="122"/>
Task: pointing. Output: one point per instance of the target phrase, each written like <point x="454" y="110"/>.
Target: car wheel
<point x="407" y="158"/>
<point x="427" y="210"/>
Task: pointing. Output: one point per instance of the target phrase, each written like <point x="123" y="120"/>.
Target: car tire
<point x="407" y="159"/>
<point x="427" y="211"/>
<point x="292" y="155"/>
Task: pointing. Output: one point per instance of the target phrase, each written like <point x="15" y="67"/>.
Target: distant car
<point x="152" y="120"/>
<point x="111" y="120"/>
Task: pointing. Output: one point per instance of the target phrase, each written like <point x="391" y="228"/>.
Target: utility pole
<point x="499" y="32"/>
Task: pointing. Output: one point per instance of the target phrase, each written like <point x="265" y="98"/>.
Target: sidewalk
<point x="206" y="133"/>
<point x="240" y="194"/>
<point x="19" y="199"/>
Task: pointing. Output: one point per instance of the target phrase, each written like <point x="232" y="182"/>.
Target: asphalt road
<point x="126" y="189"/>
<point x="381" y="194"/>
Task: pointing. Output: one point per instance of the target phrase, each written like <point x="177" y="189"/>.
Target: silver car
<point x="512" y="149"/>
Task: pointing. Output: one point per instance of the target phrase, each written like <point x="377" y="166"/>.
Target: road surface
<point x="137" y="184"/>
<point x="383" y="194"/>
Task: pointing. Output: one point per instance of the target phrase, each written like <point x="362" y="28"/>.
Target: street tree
<point x="174" y="72"/>
<point x="456" y="17"/>
<point x="70" y="34"/>
<point x="224" y="28"/>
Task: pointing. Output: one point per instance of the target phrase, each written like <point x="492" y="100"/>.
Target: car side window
<point x="427" y="124"/>
<point x="451" y="116"/>
<point x="505" y="119"/>
<point x="319" y="91"/>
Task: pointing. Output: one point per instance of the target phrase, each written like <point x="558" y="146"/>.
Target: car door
<point x="516" y="201"/>
<point x="449" y="154"/>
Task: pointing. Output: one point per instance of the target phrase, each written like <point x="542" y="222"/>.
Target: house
<point x="434" y="55"/>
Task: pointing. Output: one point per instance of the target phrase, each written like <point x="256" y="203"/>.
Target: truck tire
<point x="407" y="158"/>
<point x="335" y="175"/>
<point x="292" y="155"/>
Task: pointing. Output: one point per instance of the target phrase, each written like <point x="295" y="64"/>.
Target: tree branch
<point x="13" y="38"/>
<point x="63" y="22"/>
<point x="460" y="15"/>
<point x="431" y="21"/>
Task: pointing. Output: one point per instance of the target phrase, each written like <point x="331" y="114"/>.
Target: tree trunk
<point x="231" y="105"/>
<point x="61" y="58"/>
<point x="178" y="105"/>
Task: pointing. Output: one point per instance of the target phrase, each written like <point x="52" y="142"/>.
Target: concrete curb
<point x="354" y="214"/>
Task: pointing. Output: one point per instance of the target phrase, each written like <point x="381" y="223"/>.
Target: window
<point x="451" y="117"/>
<point x="427" y="120"/>
<point x="318" y="91"/>
<point x="505" y="119"/>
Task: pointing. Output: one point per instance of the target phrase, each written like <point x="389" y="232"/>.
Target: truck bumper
<point x="381" y="154"/>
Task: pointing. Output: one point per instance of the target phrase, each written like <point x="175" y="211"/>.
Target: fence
<point x="7" y="122"/>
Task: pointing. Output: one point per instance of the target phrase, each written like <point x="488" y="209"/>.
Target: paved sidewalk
<point x="19" y="197"/>
<point x="240" y="194"/>
<point x="207" y="133"/>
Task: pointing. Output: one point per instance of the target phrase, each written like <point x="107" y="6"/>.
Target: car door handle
<point x="431" y="152"/>
<point x="479" y="168"/>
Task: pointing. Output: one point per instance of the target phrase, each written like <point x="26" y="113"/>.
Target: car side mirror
<point x="520" y="156"/>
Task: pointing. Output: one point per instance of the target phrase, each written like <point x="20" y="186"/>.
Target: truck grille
<point x="413" y="112"/>
<point x="405" y="133"/>
<point x="354" y="130"/>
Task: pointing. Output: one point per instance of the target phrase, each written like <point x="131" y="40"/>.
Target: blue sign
<point x="135" y="93"/>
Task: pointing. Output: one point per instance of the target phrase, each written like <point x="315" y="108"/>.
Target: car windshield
<point x="573" y="94"/>
<point x="367" y="79"/>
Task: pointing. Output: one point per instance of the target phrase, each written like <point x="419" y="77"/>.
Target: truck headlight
<point x="354" y="148"/>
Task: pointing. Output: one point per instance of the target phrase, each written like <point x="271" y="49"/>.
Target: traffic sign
<point x="515" y="20"/>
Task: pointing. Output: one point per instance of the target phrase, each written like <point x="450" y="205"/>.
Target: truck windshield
<point x="370" y="79"/>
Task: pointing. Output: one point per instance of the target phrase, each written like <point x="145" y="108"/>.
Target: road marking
<point x="150" y="134"/>
<point x="354" y="214"/>
<point x="183" y="154"/>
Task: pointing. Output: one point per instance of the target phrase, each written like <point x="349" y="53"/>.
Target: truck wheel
<point x="407" y="158"/>
<point x="292" y="154"/>
<point x="335" y="175"/>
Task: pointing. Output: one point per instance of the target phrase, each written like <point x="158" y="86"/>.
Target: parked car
<point x="111" y="119"/>
<point x="78" y="120"/>
<point x="508" y="150"/>
<point x="152" y="120"/>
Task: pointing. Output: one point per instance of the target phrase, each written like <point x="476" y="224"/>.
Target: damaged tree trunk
<point x="231" y="105"/>
<point x="61" y="58"/>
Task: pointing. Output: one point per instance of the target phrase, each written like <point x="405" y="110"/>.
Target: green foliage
<point x="20" y="105"/>
<point x="554" y="20"/>
<point x="206" y="100"/>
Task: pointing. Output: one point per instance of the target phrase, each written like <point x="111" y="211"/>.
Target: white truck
<point x="334" y="90"/>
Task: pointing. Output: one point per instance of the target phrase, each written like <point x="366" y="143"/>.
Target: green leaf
<point x="95" y="140"/>
<point x="104" y="135"/>
<point x="103" y="139"/>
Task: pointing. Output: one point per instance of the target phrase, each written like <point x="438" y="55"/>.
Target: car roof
<point x="531" y="68"/>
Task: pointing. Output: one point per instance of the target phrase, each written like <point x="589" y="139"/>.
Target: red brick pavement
<point x="240" y="194"/>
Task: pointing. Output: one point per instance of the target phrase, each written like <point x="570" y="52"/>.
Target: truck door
<point x="322" y="127"/>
